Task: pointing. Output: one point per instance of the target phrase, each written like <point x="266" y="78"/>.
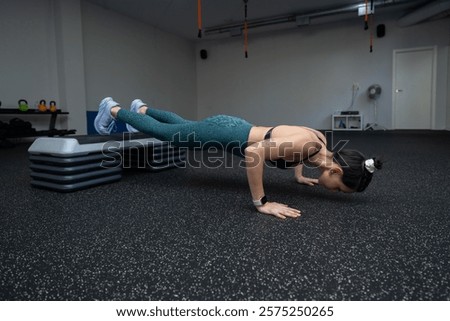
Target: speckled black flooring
<point x="192" y="234"/>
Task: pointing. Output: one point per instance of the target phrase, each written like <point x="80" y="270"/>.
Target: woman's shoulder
<point x="318" y="134"/>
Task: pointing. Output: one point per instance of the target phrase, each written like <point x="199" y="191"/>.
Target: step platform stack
<point x="68" y="164"/>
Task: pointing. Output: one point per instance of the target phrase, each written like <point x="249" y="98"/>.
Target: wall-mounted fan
<point x="374" y="92"/>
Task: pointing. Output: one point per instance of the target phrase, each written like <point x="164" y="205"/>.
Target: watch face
<point x="263" y="200"/>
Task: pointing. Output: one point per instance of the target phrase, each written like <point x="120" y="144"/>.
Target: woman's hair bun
<point x="378" y="162"/>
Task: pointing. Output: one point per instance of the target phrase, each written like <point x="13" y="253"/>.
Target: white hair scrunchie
<point x="369" y="164"/>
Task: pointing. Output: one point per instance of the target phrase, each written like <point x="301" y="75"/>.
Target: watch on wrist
<point x="261" y="201"/>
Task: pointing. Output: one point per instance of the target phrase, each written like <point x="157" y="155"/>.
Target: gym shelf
<point x="52" y="131"/>
<point x="346" y="122"/>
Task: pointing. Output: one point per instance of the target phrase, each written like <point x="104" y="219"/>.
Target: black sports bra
<point x="281" y="163"/>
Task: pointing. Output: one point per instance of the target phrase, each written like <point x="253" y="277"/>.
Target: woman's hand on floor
<point x="279" y="210"/>
<point x="307" y="181"/>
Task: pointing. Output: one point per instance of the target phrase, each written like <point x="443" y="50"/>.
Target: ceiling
<point x="180" y="16"/>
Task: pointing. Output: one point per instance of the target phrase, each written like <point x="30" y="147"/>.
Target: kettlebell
<point x="52" y="105"/>
<point x="42" y="106"/>
<point x="23" y="105"/>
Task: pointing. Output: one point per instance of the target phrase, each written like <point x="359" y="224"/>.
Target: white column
<point x="70" y="62"/>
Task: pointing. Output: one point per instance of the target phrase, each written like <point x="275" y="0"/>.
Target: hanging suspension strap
<point x="366" y="16"/>
<point x="245" y="31"/>
<point x="368" y="20"/>
<point x="371" y="34"/>
<point x="371" y="24"/>
<point x="199" y="17"/>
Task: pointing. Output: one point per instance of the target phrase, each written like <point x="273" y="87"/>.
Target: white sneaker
<point x="135" y="105"/>
<point x="104" y="122"/>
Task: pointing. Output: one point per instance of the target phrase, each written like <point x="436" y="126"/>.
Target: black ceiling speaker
<point x="381" y="31"/>
<point x="203" y="54"/>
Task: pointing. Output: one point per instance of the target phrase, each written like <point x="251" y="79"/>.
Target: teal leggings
<point x="224" y="132"/>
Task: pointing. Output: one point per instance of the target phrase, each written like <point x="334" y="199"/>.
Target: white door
<point x="413" y="85"/>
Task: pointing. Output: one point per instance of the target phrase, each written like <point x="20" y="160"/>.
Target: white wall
<point x="28" y="67"/>
<point x="76" y="53"/>
<point x="301" y="76"/>
<point x="70" y="62"/>
<point x="126" y="59"/>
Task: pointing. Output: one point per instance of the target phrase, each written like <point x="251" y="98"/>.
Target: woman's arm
<point x="302" y="179"/>
<point x="255" y="156"/>
<point x="299" y="168"/>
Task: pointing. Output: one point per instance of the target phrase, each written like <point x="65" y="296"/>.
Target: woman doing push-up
<point x="284" y="146"/>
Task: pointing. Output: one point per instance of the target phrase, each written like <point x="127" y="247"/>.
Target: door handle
<point x="399" y="90"/>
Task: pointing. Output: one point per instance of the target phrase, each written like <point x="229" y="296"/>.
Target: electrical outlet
<point x="355" y="86"/>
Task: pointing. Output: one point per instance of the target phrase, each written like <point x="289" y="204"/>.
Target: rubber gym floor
<point x="193" y="234"/>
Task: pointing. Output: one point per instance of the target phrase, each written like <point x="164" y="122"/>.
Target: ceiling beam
<point x="300" y="19"/>
<point x="426" y="12"/>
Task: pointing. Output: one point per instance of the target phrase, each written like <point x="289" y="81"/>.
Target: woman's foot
<point x="104" y="121"/>
<point x="137" y="106"/>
